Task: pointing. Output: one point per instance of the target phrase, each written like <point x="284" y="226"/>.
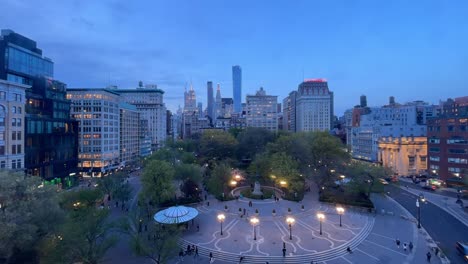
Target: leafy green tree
<point x="110" y="183"/>
<point x="157" y="244"/>
<point x="86" y="234"/>
<point x="188" y="171"/>
<point x="157" y="182"/>
<point x="219" y="180"/>
<point x="29" y="212"/>
<point x="253" y="141"/>
<point x="364" y="176"/>
<point x="216" y="144"/>
<point x="123" y="192"/>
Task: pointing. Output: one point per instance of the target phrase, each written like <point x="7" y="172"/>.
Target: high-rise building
<point x="129" y="123"/>
<point x="210" y="100"/>
<point x="12" y="105"/>
<point x="98" y="111"/>
<point x="289" y="112"/>
<point x="262" y="110"/>
<point x="50" y="136"/>
<point x="190" y="100"/>
<point x="363" y="101"/>
<point x="314" y="106"/>
<point x="237" y="88"/>
<point x="149" y="102"/>
<point x="218" y="103"/>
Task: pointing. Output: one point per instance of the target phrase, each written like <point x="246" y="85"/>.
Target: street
<point x="443" y="227"/>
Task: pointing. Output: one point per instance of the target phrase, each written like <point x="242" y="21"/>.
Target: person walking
<point x="211" y="258"/>
<point x="181" y="255"/>
<point x="284" y="252"/>
<point x="404" y="246"/>
<point x="397" y="242"/>
<point x="437" y="251"/>
<point x="198" y="227"/>
<point x="241" y="258"/>
<point x="348" y="249"/>
<point x="428" y="256"/>
<point x="196" y="252"/>
<point x="410" y="246"/>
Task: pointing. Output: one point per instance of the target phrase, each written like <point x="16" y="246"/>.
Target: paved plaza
<point x="370" y="236"/>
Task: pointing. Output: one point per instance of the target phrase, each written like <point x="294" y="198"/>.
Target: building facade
<point x="289" y="112"/>
<point x="314" y="106"/>
<point x="447" y="138"/>
<point x="404" y="155"/>
<point x="261" y="110"/>
<point x="210" y="100"/>
<point x="12" y="108"/>
<point x="129" y="134"/>
<point x="237" y="88"/>
<point x="50" y="136"/>
<point x="149" y="102"/>
<point x="98" y="114"/>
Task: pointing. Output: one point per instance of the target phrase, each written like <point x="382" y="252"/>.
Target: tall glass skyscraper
<point x="237" y="88"/>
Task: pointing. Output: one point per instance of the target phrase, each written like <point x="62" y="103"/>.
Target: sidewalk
<point x="446" y="203"/>
<point x="396" y="222"/>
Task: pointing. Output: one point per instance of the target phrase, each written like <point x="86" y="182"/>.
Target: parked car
<point x="462" y="249"/>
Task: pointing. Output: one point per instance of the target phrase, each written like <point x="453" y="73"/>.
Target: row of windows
<point x="15" y="149"/>
<point x="450" y="160"/>
<point x="450" y="128"/>
<point x="15" y="164"/>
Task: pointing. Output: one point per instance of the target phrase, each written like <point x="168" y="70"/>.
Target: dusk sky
<point x="413" y="50"/>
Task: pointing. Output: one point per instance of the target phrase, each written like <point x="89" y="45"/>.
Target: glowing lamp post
<point x="321" y="217"/>
<point x="233" y="183"/>
<point x="254" y="221"/>
<point x="221" y="218"/>
<point x="340" y="211"/>
<point x="290" y="221"/>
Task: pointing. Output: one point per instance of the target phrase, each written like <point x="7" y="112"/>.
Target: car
<point x="383" y="181"/>
<point x="462" y="249"/>
<point x="430" y="187"/>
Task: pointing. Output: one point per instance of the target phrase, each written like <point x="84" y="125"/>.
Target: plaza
<point x="371" y="237"/>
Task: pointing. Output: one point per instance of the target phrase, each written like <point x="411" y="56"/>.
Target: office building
<point x="50" y="136"/>
<point x="289" y="112"/>
<point x="261" y="110"/>
<point x="12" y="105"/>
<point x="129" y="139"/>
<point x="149" y="102"/>
<point x="97" y="111"/>
<point x="218" y="103"/>
<point x="314" y="106"/>
<point x="237" y="88"/>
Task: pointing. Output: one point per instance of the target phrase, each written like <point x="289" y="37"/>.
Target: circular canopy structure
<point x="175" y="215"/>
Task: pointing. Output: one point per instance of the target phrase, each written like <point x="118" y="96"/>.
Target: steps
<point x="326" y="255"/>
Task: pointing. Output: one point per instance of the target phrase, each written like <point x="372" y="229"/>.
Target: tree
<point x="110" y="183"/>
<point x="29" y="212"/>
<point x="156" y="182"/>
<point x="364" y="176"/>
<point x="215" y="144"/>
<point x="86" y="234"/>
<point x="253" y="141"/>
<point x="219" y="179"/>
<point x="123" y="192"/>
<point x="158" y="244"/>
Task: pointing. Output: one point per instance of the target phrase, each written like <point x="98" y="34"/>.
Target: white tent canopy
<point x="175" y="215"/>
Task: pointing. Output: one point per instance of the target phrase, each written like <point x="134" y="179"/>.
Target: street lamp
<point x="237" y="177"/>
<point x="421" y="197"/>
<point x="282" y="183"/>
<point x="340" y="211"/>
<point x="321" y="217"/>
<point x="233" y="183"/>
<point x="221" y="218"/>
<point x="254" y="221"/>
<point x="290" y="221"/>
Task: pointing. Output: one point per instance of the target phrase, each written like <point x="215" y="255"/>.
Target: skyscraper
<point x="218" y="103"/>
<point x="210" y="99"/>
<point x="237" y="88"/>
<point x="314" y="106"/>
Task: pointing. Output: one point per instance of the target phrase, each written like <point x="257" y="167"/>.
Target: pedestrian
<point x="397" y="242"/>
<point x="348" y="249"/>
<point x="196" y="251"/>
<point x="428" y="255"/>
<point x="241" y="258"/>
<point x="211" y="258"/>
<point x="181" y="255"/>
<point x="146" y="227"/>
<point x="193" y="248"/>
<point x="284" y="252"/>
<point x="188" y="250"/>
<point x="198" y="227"/>
<point x="244" y="211"/>
<point x="404" y="246"/>
<point x="410" y="246"/>
<point x="437" y="251"/>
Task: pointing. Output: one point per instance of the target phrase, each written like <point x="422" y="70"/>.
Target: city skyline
<point x="360" y="48"/>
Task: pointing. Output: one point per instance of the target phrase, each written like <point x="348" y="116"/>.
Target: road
<point x="419" y="187"/>
<point x="443" y="227"/>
